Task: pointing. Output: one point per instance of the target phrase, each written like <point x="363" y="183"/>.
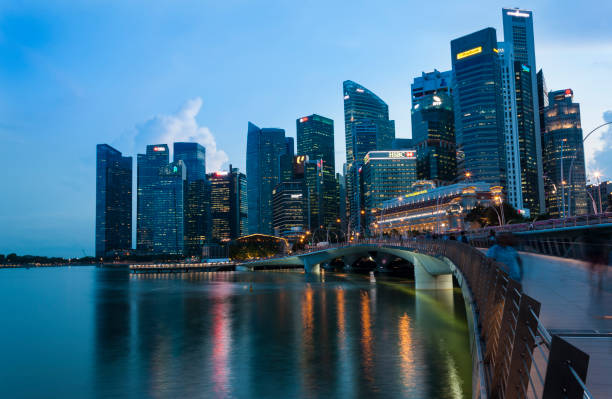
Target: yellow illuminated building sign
<point x="467" y="53"/>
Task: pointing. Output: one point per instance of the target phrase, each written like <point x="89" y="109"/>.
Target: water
<point x="86" y="332"/>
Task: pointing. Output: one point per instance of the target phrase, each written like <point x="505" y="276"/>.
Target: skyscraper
<point x="514" y="190"/>
<point x="264" y="148"/>
<point x="563" y="156"/>
<point x="386" y="175"/>
<point x="367" y="128"/>
<point x="197" y="196"/>
<point x="518" y="34"/>
<point x="289" y="209"/>
<point x="433" y="128"/>
<point x="168" y="207"/>
<point x="315" y="138"/>
<point x="477" y="100"/>
<point x="223" y="206"/>
<point x="148" y="173"/>
<point x="113" y="201"/>
<point x="240" y="181"/>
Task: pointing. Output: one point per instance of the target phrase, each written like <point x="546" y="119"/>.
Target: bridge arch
<point x="429" y="272"/>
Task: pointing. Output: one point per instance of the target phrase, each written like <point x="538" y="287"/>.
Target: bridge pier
<point x="423" y="280"/>
<point x="310" y="266"/>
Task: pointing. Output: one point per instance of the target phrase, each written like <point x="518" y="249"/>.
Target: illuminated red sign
<point x="157" y="149"/>
<point x="304" y="119"/>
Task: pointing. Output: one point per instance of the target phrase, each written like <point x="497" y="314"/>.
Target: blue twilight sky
<point x="77" y="73"/>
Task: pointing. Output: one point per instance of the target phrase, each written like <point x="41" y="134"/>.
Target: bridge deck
<point x="574" y="306"/>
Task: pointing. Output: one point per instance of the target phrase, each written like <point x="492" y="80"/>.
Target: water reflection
<point x="406" y="352"/>
<point x="239" y="335"/>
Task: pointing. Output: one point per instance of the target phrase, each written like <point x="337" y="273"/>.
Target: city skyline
<point x="75" y="183"/>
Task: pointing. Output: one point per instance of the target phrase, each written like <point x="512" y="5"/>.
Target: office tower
<point x="315" y="139"/>
<point x="514" y="190"/>
<point x="401" y="144"/>
<point x="286" y="160"/>
<point x="341" y="181"/>
<point x="242" y="209"/>
<point x="433" y="128"/>
<point x="169" y="210"/>
<point x="542" y="103"/>
<point x="264" y="148"/>
<point x="518" y="34"/>
<point x="563" y="156"/>
<point x="366" y="121"/>
<point x="148" y="173"/>
<point x="478" y="104"/>
<point x="197" y="196"/>
<point x="289" y="209"/>
<point x="113" y="201"/>
<point x="223" y="206"/>
<point x="386" y="175"/>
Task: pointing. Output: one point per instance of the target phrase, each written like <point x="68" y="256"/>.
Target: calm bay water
<point x="86" y="332"/>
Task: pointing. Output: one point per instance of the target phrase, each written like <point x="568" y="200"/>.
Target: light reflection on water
<point x="218" y="335"/>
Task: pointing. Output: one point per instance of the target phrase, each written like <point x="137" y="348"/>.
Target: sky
<point x="131" y="73"/>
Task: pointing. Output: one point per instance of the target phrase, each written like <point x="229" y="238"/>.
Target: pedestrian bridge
<point x="431" y="272"/>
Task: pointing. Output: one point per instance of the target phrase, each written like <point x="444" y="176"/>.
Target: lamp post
<point x="597" y="175"/>
<point x="574" y="158"/>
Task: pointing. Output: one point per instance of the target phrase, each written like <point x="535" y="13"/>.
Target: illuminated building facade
<point x="197" y="196"/>
<point x="148" y="170"/>
<point x="264" y="148"/>
<point x="113" y="201"/>
<point x="289" y="210"/>
<point x="518" y="36"/>
<point x="478" y="105"/>
<point x="433" y="127"/>
<point x="243" y="206"/>
<point x="315" y="139"/>
<point x="514" y="191"/>
<point x="367" y="128"/>
<point x="563" y="156"/>
<point x="168" y="208"/>
<point x="437" y="210"/>
<point x="386" y="175"/>
<point x="600" y="197"/>
<point x="227" y="204"/>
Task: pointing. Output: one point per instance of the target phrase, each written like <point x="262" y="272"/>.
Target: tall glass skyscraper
<point x="433" y="127"/>
<point x="264" y="148"/>
<point x="168" y="206"/>
<point x="289" y="209"/>
<point x="366" y="121"/>
<point x="477" y="100"/>
<point x="386" y="175"/>
<point x="148" y="173"/>
<point x="113" y="201"/>
<point x="197" y="196"/>
<point x="514" y="190"/>
<point x="315" y="139"/>
<point x="518" y="34"/>
<point x="563" y="156"/>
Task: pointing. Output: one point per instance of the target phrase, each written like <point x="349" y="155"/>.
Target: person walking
<point x="503" y="252"/>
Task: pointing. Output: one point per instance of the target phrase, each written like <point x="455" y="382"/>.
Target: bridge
<point x="521" y="347"/>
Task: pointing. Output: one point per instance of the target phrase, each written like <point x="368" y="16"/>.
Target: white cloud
<point x="181" y="126"/>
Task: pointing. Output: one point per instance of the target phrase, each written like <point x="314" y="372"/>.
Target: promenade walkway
<point x="575" y="307"/>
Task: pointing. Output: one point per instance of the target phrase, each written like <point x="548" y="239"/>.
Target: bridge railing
<point x="573" y="221"/>
<point x="521" y="359"/>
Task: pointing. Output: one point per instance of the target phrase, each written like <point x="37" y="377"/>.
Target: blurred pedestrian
<point x="463" y="238"/>
<point x="503" y="252"/>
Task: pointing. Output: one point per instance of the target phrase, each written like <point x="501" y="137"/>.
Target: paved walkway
<point x="574" y="304"/>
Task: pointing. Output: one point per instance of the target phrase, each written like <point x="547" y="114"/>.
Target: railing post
<point x="560" y="381"/>
<point x="523" y="346"/>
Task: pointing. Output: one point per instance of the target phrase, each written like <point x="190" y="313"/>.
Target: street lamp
<point x="574" y="158"/>
<point x="598" y="175"/>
